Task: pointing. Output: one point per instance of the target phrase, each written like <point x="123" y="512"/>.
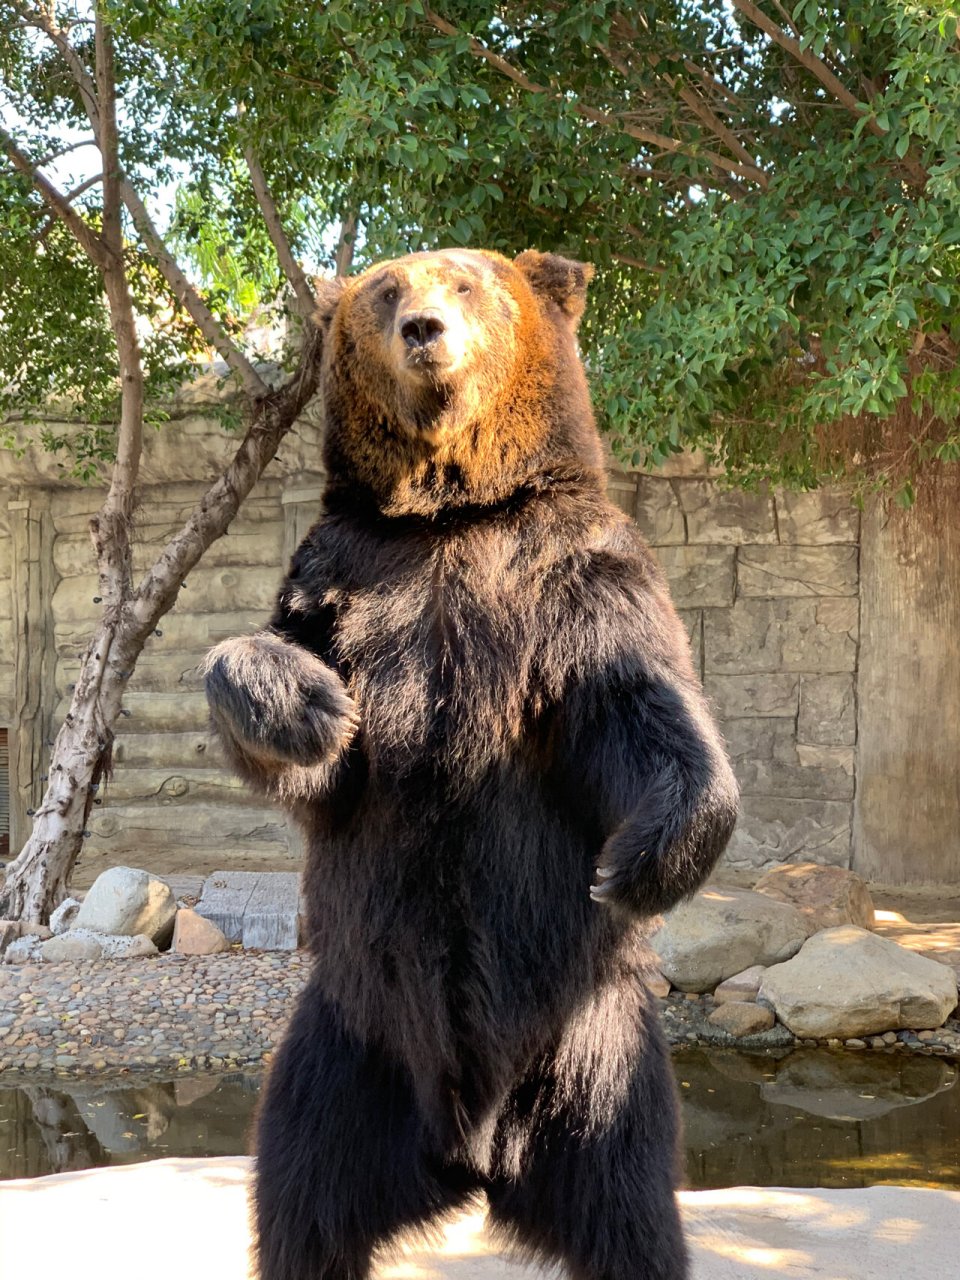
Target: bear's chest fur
<point x="440" y="648"/>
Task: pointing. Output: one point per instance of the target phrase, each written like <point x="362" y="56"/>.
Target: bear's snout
<point x="422" y="329"/>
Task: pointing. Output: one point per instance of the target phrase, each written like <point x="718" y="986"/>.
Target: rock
<point x="34" y="929"/>
<point x="720" y="933"/>
<point x="741" y="1019"/>
<point x="657" y="985"/>
<point x="23" y="950"/>
<point x="70" y="946"/>
<point x="847" y="982"/>
<point x="742" y="986"/>
<point x="9" y="932"/>
<point x="65" y="916"/>
<point x="129" y="902"/>
<point x="259" y="909"/>
<point x="797" y="571"/>
<point x="195" y="936"/>
<point x="120" y="947"/>
<point x="824" y="896"/>
<point x="700" y="576"/>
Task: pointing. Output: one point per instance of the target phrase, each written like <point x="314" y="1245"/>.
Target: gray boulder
<point x="9" y="932"/>
<point x="741" y="1018"/>
<point x="848" y="982"/>
<point x="70" y="946"/>
<point x="121" y="947"/>
<point x="126" y="901"/>
<point x="742" y="987"/>
<point x="86" y="944"/>
<point x="720" y="933"/>
<point x="65" y="916"/>
<point x="23" y="950"/>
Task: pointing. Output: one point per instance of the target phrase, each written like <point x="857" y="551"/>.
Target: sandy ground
<point x="188" y="1218"/>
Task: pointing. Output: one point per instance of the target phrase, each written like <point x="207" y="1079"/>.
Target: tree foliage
<point x="770" y="192"/>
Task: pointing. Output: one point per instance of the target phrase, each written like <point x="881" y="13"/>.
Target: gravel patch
<point x="173" y="1013"/>
<point x="168" y="1012"/>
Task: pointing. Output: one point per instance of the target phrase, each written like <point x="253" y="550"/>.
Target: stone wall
<point x="768" y="584"/>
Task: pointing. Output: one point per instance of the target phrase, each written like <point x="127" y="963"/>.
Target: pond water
<point x="810" y="1118"/>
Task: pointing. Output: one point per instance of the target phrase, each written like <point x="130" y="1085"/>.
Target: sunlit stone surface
<point x="106" y="1221"/>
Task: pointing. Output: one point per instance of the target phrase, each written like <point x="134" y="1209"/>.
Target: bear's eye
<point x="464" y="288"/>
<point x="390" y="295"/>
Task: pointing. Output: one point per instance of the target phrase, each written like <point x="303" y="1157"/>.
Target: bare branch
<point x="272" y="419"/>
<point x="194" y="305"/>
<point x="654" y="267"/>
<point x="701" y="110"/>
<point x="85" y="236"/>
<point x="271" y="216"/>
<point x="108" y="138"/>
<point x="43" y="20"/>
<point x="605" y="118"/>
<point x="817" y="67"/>
<point x="84" y="186"/>
<point x="110" y="528"/>
<point x="345" y="245"/>
<point x="65" y="151"/>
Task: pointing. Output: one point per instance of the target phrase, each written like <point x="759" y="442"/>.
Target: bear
<point x="477" y="699"/>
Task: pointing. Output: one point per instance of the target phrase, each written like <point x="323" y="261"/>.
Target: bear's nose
<point x="421" y="329"/>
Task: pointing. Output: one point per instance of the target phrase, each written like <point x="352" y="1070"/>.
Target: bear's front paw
<point x="640" y="871"/>
<point x="278" y="700"/>
<point x="633" y="887"/>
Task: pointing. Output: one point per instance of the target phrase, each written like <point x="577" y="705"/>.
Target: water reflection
<point x="85" y="1124"/>
<point x="813" y="1118"/>
<point x="808" y="1118"/>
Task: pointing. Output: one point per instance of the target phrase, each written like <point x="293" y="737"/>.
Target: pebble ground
<point x="180" y="1013"/>
<point x="174" y="1013"/>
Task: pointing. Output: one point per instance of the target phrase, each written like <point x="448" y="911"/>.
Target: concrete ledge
<point x="188" y="1219"/>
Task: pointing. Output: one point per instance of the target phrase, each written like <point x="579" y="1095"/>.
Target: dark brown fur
<point x="474" y="693"/>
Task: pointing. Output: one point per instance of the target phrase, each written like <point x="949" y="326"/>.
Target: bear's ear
<point x="561" y="280"/>
<point x="327" y="291"/>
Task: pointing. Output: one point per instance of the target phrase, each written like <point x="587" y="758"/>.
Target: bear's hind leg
<point x="589" y="1151"/>
<point x="343" y="1156"/>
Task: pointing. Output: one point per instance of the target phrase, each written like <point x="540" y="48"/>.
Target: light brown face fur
<point x="448" y="363"/>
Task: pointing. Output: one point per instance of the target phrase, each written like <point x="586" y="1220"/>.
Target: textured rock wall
<point x="768" y="584"/>
<point x="171" y="801"/>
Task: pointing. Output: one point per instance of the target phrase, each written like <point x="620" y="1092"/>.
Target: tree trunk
<point x="37" y="880"/>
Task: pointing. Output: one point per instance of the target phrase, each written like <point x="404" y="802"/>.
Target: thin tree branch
<point x="188" y="296"/>
<point x="809" y="60"/>
<point x="654" y="267"/>
<point x="271" y="216"/>
<point x="110" y="528"/>
<point x="605" y="118"/>
<point x="107" y="137"/>
<point x="43" y="20"/>
<point x="271" y="421"/>
<point x="65" y="151"/>
<point x="345" y="245"/>
<point x="85" y="236"/>
<point x="699" y="108"/>
<point x="193" y="304"/>
<point x="84" y="186"/>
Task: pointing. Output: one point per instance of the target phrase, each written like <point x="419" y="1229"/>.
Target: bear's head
<point x="453" y="378"/>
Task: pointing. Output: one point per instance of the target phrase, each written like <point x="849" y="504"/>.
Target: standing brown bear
<point x="476" y="697"/>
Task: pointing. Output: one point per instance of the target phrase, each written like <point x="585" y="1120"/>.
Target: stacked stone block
<point x="768" y="585"/>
